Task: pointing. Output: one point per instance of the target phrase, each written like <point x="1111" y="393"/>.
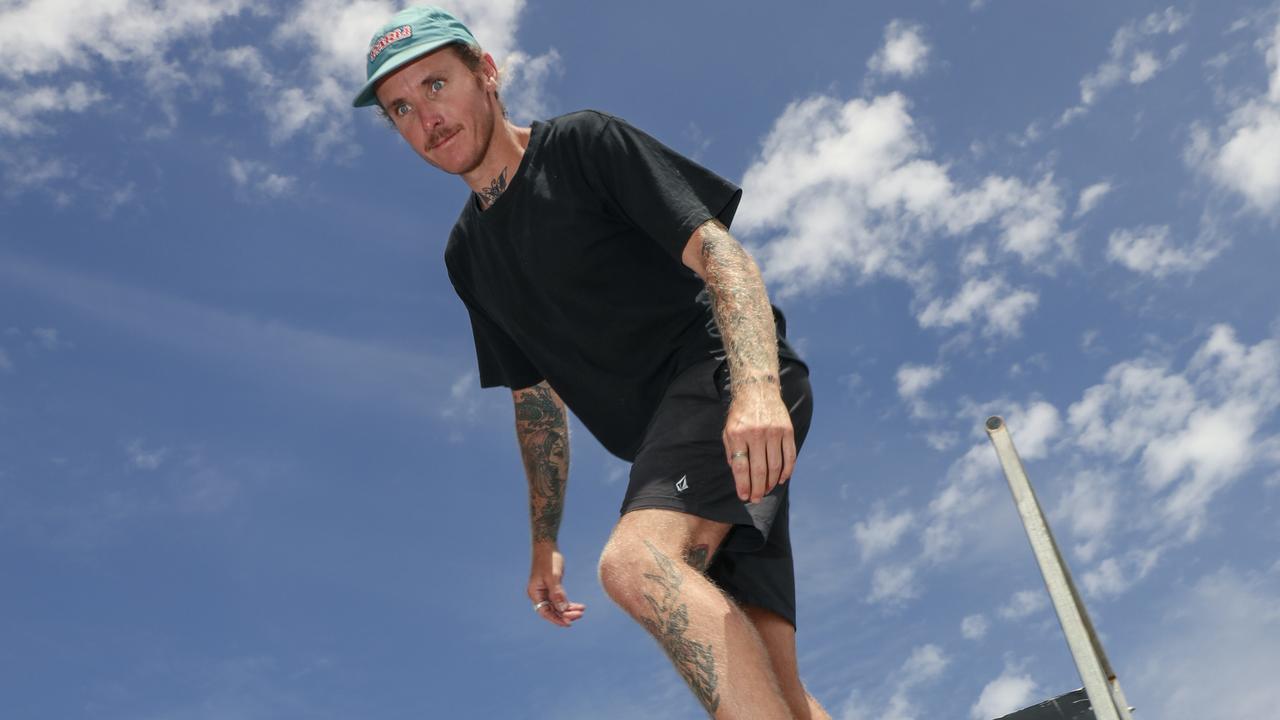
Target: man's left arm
<point x="758" y="436"/>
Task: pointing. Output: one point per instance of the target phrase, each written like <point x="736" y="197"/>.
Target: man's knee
<point x="623" y="565"/>
<point x="631" y="564"/>
<point x="650" y="542"/>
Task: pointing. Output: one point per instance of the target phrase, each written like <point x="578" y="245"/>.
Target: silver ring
<point x="538" y="606"/>
<point x="740" y="453"/>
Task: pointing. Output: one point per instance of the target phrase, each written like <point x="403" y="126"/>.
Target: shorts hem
<point x="656" y="502"/>
<point x="748" y="600"/>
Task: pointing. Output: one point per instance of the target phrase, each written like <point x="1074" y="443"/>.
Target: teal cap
<point x="407" y="36"/>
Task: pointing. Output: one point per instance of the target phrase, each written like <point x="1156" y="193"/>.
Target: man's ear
<point x="489" y="69"/>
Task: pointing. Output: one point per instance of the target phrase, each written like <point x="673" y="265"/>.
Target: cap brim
<point x="366" y="96"/>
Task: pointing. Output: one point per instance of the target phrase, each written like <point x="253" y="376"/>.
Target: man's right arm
<point x="542" y="429"/>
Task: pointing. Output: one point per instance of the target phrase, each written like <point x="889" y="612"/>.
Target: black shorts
<point x="681" y="466"/>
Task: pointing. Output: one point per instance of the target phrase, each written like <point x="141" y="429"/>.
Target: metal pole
<point x="1100" y="681"/>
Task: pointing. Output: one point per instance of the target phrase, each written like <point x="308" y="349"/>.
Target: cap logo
<point x="381" y="43"/>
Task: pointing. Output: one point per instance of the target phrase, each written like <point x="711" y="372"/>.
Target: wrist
<point x="759" y="385"/>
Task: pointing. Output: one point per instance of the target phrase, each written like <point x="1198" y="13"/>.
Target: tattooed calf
<point x="694" y="660"/>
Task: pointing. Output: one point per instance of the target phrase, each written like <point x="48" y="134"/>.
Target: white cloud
<point x="893" y="584"/>
<point x="941" y="441"/>
<point x="1138" y="402"/>
<point x="1145" y="67"/>
<point x="1089" y="341"/>
<point x="466" y="406"/>
<point x="1039" y="361"/>
<point x="1090" y="197"/>
<point x="25" y="170"/>
<point x="925" y="664"/>
<point x="1273" y="61"/>
<point x="1034" y="427"/>
<point x="48" y="338"/>
<point x="1129" y="59"/>
<point x="1213" y="652"/>
<point x="44" y="37"/>
<point x="904" y="53"/>
<point x="1248" y="162"/>
<point x="974" y="259"/>
<point x="247" y="61"/>
<point x="1024" y="603"/>
<point x="256" y="181"/>
<point x="881" y="532"/>
<point x="21" y="108"/>
<point x="913" y="381"/>
<point x="202" y="488"/>
<point x="1116" y="575"/>
<point x="974" y="627"/>
<point x="1088" y="510"/>
<point x="1148" y="250"/>
<point x="843" y="190"/>
<point x="1000" y="308"/>
<point x="1193" y="432"/>
<point x="1007" y="693"/>
<point x="524" y="90"/>
<point x="1244" y="156"/>
<point x="1031" y="225"/>
<point x="144" y="459"/>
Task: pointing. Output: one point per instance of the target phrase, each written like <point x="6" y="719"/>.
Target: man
<point x="599" y="275"/>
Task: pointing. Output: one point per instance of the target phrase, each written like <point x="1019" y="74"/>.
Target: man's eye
<point x="401" y="110"/>
<point x="437" y="85"/>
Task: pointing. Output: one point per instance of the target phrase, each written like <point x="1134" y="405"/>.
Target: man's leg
<point x="780" y="640"/>
<point x="653" y="568"/>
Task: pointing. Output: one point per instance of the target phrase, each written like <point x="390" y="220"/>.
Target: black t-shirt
<point x="574" y="274"/>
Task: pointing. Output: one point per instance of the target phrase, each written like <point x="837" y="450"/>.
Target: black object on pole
<point x="1071" y="706"/>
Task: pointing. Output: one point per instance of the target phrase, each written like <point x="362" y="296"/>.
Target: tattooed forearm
<point x="741" y="308"/>
<point x="543" y="432"/>
<point x="694" y="660"/>
<point x="497" y="185"/>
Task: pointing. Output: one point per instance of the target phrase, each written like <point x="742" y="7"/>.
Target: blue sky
<point x="246" y="470"/>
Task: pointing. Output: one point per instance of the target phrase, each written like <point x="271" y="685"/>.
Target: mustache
<point x="440" y="136"/>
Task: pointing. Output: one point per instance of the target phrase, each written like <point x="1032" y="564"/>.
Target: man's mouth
<point x="444" y="139"/>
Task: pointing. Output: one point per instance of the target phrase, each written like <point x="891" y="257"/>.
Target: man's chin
<point x="460" y="168"/>
<point x="451" y="167"/>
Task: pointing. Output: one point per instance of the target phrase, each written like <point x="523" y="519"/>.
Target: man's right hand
<point x="546" y="590"/>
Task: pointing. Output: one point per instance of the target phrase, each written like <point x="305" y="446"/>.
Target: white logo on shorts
<point x="682" y="484"/>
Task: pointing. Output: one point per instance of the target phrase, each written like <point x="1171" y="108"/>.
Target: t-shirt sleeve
<point x="499" y="360"/>
<point x="661" y="191"/>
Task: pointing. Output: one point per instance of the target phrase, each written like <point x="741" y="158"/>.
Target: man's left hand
<point x="759" y="441"/>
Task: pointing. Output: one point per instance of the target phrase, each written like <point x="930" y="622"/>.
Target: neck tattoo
<point x="490" y="194"/>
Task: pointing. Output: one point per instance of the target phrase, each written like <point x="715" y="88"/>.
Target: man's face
<point x="443" y="110"/>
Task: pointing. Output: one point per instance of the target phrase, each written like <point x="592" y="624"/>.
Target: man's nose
<point x="430" y="118"/>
